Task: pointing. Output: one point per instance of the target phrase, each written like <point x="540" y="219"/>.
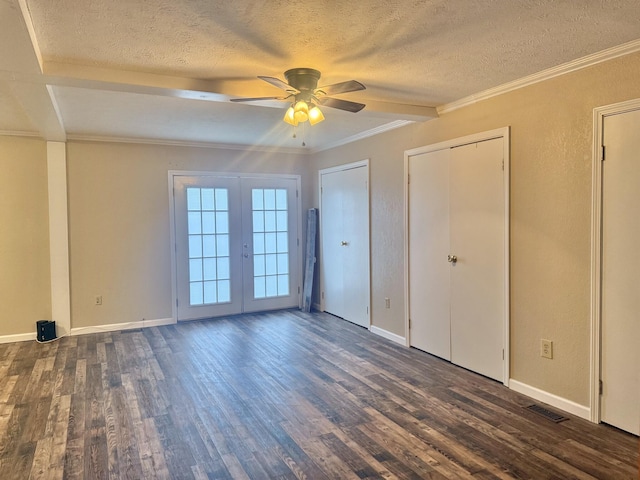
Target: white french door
<point x="236" y="244"/>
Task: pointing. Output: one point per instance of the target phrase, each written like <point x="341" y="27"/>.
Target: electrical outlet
<point x="387" y="302"/>
<point x="546" y="348"/>
<point x="98" y="300"/>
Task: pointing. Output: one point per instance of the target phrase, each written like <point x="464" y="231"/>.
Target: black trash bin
<point x="45" y="330"/>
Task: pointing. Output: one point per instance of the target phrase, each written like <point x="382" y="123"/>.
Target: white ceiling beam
<point x="218" y="90"/>
<point x="414" y="113"/>
<point x="39" y="105"/>
<point x="22" y="70"/>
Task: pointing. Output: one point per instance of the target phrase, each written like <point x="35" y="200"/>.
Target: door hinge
<point x="298" y="289"/>
<point x="176" y="302"/>
<point x="603" y="152"/>
<point x="296" y="193"/>
<point x="408" y="179"/>
<point x="503" y="164"/>
<point x="323" y="295"/>
<point x="409" y="324"/>
<point x="600" y="387"/>
<point x="367" y="310"/>
<point x="297" y="241"/>
<point x="503" y="354"/>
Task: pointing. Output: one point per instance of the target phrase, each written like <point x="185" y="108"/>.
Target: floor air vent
<point x="548" y="414"/>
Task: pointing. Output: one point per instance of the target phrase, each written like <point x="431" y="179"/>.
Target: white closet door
<point x="429" y="292"/>
<point x="478" y="241"/>
<point x="344" y="223"/>
<point x="620" y="358"/>
<point x="457" y="255"/>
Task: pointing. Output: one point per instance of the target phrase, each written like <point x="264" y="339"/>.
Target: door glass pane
<point x="271" y="265"/>
<point x="224" y="291"/>
<point x="270" y="243"/>
<point x="222" y="199"/>
<point x="258" y="266"/>
<point x="210" y="294"/>
<point x="209" y="271"/>
<point x="270" y="221"/>
<point x="208" y="228"/>
<point x="207" y="198"/>
<point x="208" y="223"/>
<point x="208" y="246"/>
<point x="271" y="272"/>
<point x="258" y="243"/>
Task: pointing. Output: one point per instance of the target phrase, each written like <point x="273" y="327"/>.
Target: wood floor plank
<point x="288" y="395"/>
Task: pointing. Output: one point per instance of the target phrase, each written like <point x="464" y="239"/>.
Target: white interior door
<point x="620" y="321"/>
<point x="429" y="271"/>
<point x="237" y="247"/>
<point x="478" y="242"/>
<point x="344" y="226"/>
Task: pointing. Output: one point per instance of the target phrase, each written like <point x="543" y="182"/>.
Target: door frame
<point x="172" y="174"/>
<point x="340" y="168"/>
<point x="503" y="133"/>
<point x="599" y="115"/>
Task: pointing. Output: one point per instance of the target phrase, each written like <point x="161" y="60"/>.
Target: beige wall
<point x="25" y="293"/>
<point x="551" y="154"/>
<point x="119" y="222"/>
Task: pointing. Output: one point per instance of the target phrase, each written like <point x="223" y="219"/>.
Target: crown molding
<point x="17" y="133"/>
<point x="563" y="69"/>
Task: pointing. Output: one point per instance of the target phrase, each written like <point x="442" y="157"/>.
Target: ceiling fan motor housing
<point x="303" y="79"/>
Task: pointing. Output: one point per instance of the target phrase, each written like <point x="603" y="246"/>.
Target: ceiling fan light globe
<point x="301" y="106"/>
<point x="290" y="118"/>
<point x="301" y="110"/>
<point x="315" y="115"/>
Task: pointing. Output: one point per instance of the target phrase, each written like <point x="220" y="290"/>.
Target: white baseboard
<point x="388" y="335"/>
<point x="122" y="326"/>
<point x="20" y="337"/>
<point x="25" y="337"/>
<point x="551" y="399"/>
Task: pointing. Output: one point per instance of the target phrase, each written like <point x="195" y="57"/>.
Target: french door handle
<point x="246" y="255"/>
<point x="343" y="243"/>
<point x="452" y="259"/>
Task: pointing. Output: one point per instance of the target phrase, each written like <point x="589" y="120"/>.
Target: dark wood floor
<point x="279" y="395"/>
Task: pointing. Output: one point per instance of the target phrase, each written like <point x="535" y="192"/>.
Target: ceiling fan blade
<point x="341" y="104"/>
<point x="276" y="82"/>
<point x="257" y="99"/>
<point x="342" y="87"/>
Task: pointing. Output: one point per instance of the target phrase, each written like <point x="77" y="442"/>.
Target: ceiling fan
<point x="305" y="96"/>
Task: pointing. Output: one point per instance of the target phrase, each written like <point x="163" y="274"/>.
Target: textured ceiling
<point x="125" y="58"/>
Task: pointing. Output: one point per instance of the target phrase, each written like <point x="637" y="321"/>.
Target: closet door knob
<point x="452" y="259"/>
